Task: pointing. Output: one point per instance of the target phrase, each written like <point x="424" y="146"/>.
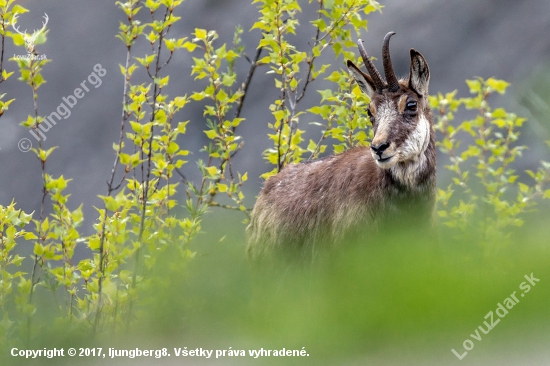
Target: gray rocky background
<point x="507" y="39"/>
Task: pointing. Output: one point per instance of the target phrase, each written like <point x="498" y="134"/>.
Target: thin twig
<point x="216" y="204"/>
<point x="247" y="82"/>
<point x="156" y="91"/>
<point x="323" y="137"/>
<point x="342" y="17"/>
<point x="312" y="57"/>
<point x="293" y="126"/>
<point x="283" y="89"/>
<point x="41" y="235"/>
<point x="2" y="51"/>
<point x="110" y="182"/>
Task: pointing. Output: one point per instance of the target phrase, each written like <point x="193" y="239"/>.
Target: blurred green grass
<point x="387" y="303"/>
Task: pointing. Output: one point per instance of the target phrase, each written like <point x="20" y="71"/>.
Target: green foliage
<point x="140" y="219"/>
<point x="295" y="69"/>
<point x="56" y="237"/>
<point x="485" y="188"/>
<point x="342" y="109"/>
<point x="144" y="228"/>
<point x="8" y="17"/>
<point x="220" y="97"/>
<point x="12" y="230"/>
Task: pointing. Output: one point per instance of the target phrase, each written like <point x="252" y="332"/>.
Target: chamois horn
<point x="374" y="74"/>
<point x="391" y="79"/>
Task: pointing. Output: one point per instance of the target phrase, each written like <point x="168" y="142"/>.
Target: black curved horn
<point x="374" y="74"/>
<point x="391" y="79"/>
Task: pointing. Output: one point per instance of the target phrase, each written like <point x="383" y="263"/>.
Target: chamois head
<point x="398" y="109"/>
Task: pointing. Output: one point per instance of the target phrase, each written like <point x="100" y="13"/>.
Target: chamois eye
<point x="369" y="113"/>
<point x="411" y="106"/>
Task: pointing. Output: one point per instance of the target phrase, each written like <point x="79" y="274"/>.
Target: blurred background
<point x="506" y="39"/>
<point x="420" y="307"/>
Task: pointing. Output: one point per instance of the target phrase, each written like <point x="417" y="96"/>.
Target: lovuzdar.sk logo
<point x="31" y="39"/>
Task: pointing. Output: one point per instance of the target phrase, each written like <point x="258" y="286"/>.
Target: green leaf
<point x="160" y="117"/>
<point x="212" y="170"/>
<point x="18" y="9"/>
<point x="170" y="44"/>
<point x="30" y="236"/>
<point x="325" y="94"/>
<point x="200" y="34"/>
<point x="311" y="146"/>
<point x="524" y="188"/>
<point x="221" y="96"/>
<point x="172" y="148"/>
<point x="198" y="96"/>
<point x="189" y="46"/>
<point x="210" y="134"/>
<point x="124" y="159"/>
<point x="38" y="249"/>
<point x="94" y="243"/>
<point x="6" y="75"/>
<point x="474" y="85"/>
<point x="162" y="82"/>
<point x="498" y="85"/>
<point x="136" y="127"/>
<point x="17" y="260"/>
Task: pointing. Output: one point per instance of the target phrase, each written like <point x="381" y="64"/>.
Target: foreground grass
<point x="408" y="301"/>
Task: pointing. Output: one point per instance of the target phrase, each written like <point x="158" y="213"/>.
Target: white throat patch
<point x="418" y="140"/>
<point x="412" y="158"/>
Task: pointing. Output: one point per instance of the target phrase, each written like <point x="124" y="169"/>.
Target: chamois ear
<point x="363" y="80"/>
<point x="419" y="77"/>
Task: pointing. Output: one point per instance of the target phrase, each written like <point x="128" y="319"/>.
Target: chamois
<point x="365" y="189"/>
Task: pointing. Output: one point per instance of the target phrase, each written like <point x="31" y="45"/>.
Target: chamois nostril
<point x="379" y="149"/>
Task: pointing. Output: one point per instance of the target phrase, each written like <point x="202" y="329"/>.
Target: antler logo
<point x="30" y="39"/>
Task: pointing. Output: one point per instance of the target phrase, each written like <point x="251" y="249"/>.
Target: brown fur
<point x="325" y="202"/>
